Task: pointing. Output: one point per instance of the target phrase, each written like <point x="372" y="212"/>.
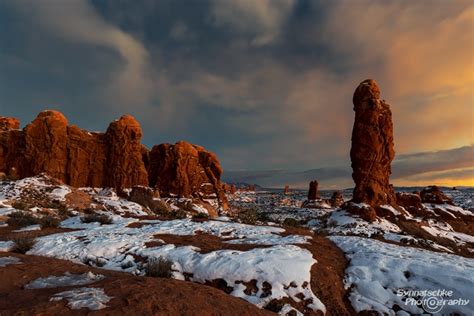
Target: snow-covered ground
<point x="283" y="265"/>
<point x="84" y="297"/>
<point x="68" y="279"/>
<point x="380" y="276"/>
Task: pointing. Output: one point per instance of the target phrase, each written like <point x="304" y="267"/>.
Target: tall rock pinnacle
<point x="372" y="147"/>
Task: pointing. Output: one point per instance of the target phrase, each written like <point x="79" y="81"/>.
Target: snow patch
<point x="90" y="298"/>
<point x="378" y="270"/>
<point x="5" y="261"/>
<point x="67" y="279"/>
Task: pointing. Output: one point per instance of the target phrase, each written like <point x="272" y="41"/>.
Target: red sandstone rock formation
<point x="410" y="201"/>
<point x="7" y="123"/>
<point x="187" y="170"/>
<point x="336" y="199"/>
<point x="313" y="192"/>
<point x="372" y="147"/>
<point x="113" y="159"/>
<point x="434" y="195"/>
<point x="125" y="164"/>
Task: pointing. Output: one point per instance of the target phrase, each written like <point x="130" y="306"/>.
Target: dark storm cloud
<point x="265" y="84"/>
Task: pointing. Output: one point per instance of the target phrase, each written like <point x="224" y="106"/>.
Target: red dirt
<point x="327" y="274"/>
<point x="131" y="295"/>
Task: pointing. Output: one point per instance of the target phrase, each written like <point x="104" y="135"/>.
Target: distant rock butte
<point x="114" y="159"/>
<point x="313" y="192"/>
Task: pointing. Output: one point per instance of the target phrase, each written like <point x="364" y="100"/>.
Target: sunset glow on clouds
<point x="267" y="85"/>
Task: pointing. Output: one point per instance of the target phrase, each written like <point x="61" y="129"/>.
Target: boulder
<point x="336" y="199"/>
<point x="434" y="195"/>
<point x="410" y="201"/>
<point x="372" y="148"/>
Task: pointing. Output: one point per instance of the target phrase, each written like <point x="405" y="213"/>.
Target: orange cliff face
<point x="114" y="159"/>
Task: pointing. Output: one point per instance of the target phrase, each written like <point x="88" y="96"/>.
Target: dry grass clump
<point x="23" y="243"/>
<point x="21" y="219"/>
<point x="159" y="268"/>
<point x="100" y="218"/>
<point x="49" y="222"/>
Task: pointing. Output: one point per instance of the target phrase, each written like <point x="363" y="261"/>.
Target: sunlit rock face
<point x="188" y="170"/>
<point x="372" y="147"/>
<point x="115" y="159"/>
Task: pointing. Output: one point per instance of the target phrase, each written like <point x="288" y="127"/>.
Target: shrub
<point x="49" y="222"/>
<point x="178" y="214"/>
<point x="291" y="222"/>
<point x="160" y="207"/>
<point x="100" y="218"/>
<point x="248" y="216"/>
<point x="159" y="268"/>
<point x="201" y="216"/>
<point x="23" y="243"/>
<point x="19" y="205"/>
<point x="21" y="219"/>
<point x="64" y="212"/>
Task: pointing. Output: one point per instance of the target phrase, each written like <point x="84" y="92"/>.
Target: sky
<point x="265" y="84"/>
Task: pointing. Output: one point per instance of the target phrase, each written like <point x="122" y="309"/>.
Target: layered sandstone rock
<point x="434" y="195"/>
<point x="7" y="123"/>
<point x="336" y="199"/>
<point x="114" y="159"/>
<point x="187" y="170"/>
<point x="124" y="154"/>
<point x="410" y="201"/>
<point x="372" y="149"/>
<point x="313" y="192"/>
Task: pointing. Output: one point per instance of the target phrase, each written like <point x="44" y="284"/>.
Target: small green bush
<point x="159" y="268"/>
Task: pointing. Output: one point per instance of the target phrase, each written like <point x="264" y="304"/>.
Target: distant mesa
<point x="115" y="159"/>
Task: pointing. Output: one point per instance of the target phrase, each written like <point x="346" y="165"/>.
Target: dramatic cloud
<point x="261" y="19"/>
<point x="78" y="21"/>
<point x="265" y="84"/>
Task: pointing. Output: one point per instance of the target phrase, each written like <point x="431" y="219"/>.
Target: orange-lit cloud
<point x="268" y="84"/>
